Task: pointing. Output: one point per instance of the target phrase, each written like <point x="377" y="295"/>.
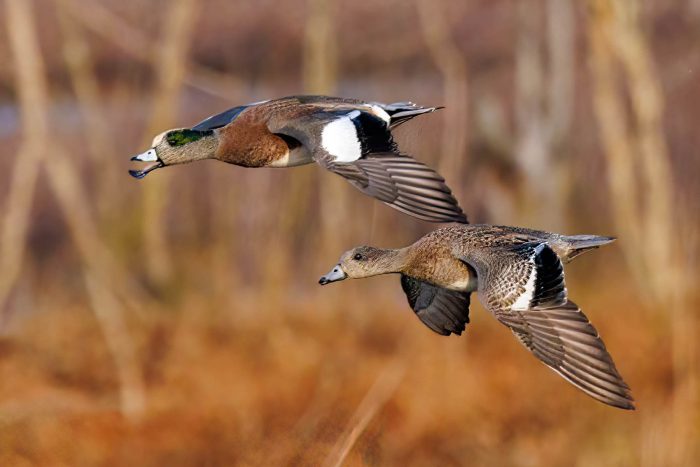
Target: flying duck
<point x="347" y="136"/>
<point x="519" y="276"/>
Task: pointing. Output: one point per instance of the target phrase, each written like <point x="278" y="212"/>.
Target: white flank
<point x="466" y="285"/>
<point x="297" y="156"/>
<point x="459" y="284"/>
<point x="339" y="138"/>
<point x="281" y="162"/>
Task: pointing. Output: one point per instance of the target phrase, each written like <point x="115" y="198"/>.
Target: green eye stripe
<point x="182" y="137"/>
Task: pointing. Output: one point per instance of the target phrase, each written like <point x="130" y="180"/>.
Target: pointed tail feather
<point x="578" y="244"/>
<point x="401" y="112"/>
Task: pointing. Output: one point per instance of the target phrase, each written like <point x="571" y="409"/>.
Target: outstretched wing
<point x="220" y="120"/>
<point x="442" y="310"/>
<point x="356" y="143"/>
<point x="524" y="288"/>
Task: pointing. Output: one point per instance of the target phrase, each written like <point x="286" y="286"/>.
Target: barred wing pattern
<point x="523" y="286"/>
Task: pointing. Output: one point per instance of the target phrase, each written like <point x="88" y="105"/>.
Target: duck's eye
<point x="357" y="257"/>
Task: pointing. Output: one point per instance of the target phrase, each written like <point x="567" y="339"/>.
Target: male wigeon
<point x="347" y="136"/>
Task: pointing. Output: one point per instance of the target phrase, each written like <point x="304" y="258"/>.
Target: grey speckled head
<point x="364" y="261"/>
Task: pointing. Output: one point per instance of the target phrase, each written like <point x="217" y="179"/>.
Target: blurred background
<point x="177" y="320"/>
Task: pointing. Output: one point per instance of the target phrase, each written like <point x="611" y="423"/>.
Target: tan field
<point x="177" y="320"/>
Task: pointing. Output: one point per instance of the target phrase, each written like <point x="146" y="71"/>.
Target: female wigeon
<point x="347" y="136"/>
<point x="519" y="276"/>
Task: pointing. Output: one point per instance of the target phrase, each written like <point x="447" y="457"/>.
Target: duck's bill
<point x="336" y="274"/>
<point x="148" y="156"/>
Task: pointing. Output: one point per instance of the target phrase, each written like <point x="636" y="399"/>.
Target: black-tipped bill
<point x="148" y="156"/>
<point x="336" y="274"/>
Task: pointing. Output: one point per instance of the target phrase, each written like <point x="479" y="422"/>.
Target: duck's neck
<point x="203" y="148"/>
<point x="394" y="260"/>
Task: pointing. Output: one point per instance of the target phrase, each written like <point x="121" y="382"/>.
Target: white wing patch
<point x="339" y="138"/>
<point x="523" y="301"/>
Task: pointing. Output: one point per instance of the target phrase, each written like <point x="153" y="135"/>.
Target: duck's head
<point x="177" y="146"/>
<point x="363" y="261"/>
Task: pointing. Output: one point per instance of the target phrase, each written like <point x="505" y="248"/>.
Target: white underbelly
<point x="297" y="156"/>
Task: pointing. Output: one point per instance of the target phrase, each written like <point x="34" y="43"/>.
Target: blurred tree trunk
<point x="101" y="272"/>
<point x="295" y="221"/>
<point x="131" y="40"/>
<point x="320" y="72"/>
<point x="641" y="183"/>
<point x="543" y="109"/>
<point x="169" y="66"/>
<point x="453" y="67"/>
<point x="76" y="54"/>
<point x="104" y="23"/>
<point x="33" y="100"/>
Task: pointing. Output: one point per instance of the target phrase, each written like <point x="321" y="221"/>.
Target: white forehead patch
<point x="339" y="138"/>
<point x="159" y="138"/>
<point x="148" y="156"/>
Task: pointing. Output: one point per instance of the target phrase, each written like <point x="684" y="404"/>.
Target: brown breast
<point x="247" y="142"/>
<point x="434" y="262"/>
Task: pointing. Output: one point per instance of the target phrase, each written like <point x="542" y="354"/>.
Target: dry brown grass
<point x="226" y="352"/>
<point x="236" y="387"/>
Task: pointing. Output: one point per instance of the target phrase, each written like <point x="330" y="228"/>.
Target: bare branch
<point x="31" y="84"/>
<point x="103" y="22"/>
<point x="453" y="67"/>
<point x="170" y="64"/>
<point x="66" y="184"/>
<point x="377" y="396"/>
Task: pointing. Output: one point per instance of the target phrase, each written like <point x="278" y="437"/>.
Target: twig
<point x="76" y="54"/>
<point x="543" y="105"/>
<point x="453" y="67"/>
<point x="644" y="205"/>
<point x="379" y="394"/>
<point x="110" y="26"/>
<point x="68" y="188"/>
<point x="31" y="87"/>
<point x="320" y="71"/>
<point x="110" y="315"/>
<point x="170" y="65"/>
